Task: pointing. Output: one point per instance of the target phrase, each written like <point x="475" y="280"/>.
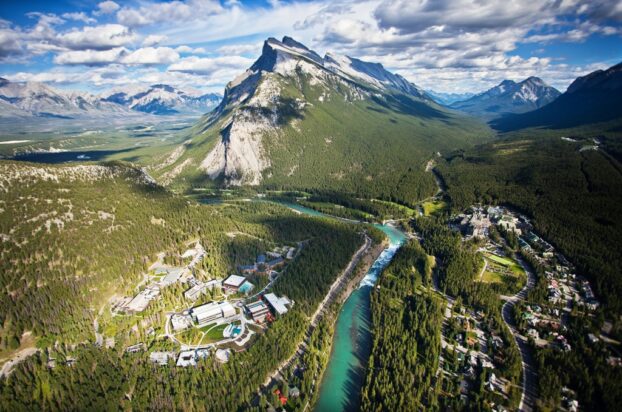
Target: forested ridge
<point x="572" y="191"/>
<point x="406" y="329"/>
<point x="108" y="378"/>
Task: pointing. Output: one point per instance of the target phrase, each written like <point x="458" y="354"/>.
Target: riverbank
<point x="350" y="346"/>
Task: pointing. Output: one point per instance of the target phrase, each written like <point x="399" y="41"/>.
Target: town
<point x="540" y="289"/>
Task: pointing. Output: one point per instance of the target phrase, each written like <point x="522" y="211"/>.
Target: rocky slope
<point x="297" y="119"/>
<point x="509" y="97"/>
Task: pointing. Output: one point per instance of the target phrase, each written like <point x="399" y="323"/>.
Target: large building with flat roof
<point x="233" y="283"/>
<point x="141" y="301"/>
<point x="277" y="304"/>
<point x="258" y="311"/>
<point x="210" y="312"/>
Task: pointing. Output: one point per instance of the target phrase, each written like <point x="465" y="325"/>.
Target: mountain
<point x="23" y="100"/>
<point x="449" y="98"/>
<point x="509" y="97"/>
<point x="34" y="99"/>
<point x="596" y="97"/>
<point x="295" y="119"/>
<point x="162" y="99"/>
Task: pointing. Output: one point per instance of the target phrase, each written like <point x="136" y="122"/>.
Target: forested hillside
<point x="297" y="121"/>
<point x="406" y="337"/>
<point x="570" y="182"/>
<point x="99" y="242"/>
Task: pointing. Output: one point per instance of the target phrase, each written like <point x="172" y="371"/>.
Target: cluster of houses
<point x="476" y="348"/>
<point x="565" y="289"/>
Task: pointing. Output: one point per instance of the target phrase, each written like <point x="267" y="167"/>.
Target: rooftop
<point x="234" y="280"/>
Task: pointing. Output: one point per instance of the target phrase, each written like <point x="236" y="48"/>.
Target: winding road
<point x="530" y="377"/>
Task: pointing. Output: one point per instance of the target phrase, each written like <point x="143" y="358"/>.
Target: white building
<point x="223" y="355"/>
<point x="187" y="358"/>
<point x="196" y="291"/>
<point x="161" y="358"/>
<point x="172" y="276"/>
<point x="180" y="322"/>
<point x="204" y="314"/>
<point x="141" y="301"/>
<point x="277" y="304"/>
<point x="233" y="283"/>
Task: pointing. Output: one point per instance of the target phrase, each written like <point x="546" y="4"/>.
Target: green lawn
<point x="433" y="207"/>
<point x="491" y="277"/>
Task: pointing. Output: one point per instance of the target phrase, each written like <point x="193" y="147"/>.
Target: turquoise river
<point x="344" y="377"/>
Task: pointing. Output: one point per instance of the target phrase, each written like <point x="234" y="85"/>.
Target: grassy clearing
<point x="433" y="207"/>
<point x="491" y="277"/>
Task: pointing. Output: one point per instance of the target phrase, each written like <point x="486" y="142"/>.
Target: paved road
<point x="530" y="377"/>
<point x="8" y="366"/>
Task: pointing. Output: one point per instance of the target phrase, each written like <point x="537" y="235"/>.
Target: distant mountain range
<point x="296" y="119"/>
<point x="509" y="97"/>
<point x="33" y="99"/>
<point x="162" y="99"/>
<point x="596" y="97"/>
<point x="449" y="98"/>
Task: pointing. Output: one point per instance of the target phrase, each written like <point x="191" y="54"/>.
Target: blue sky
<point x="445" y="45"/>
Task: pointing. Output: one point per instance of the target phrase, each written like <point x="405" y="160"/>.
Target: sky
<point x="444" y="45"/>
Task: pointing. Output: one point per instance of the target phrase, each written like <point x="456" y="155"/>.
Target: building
<point x="141" y="301"/>
<point x="172" y="276"/>
<point x="479" y="225"/>
<point x="277" y="304"/>
<point x="509" y="223"/>
<point x="291" y="253"/>
<point x="187" y="358"/>
<point x="227" y="309"/>
<point x="223" y="355"/>
<point x="258" y="311"/>
<point x="274" y="263"/>
<point x="181" y="322"/>
<point x="139" y="347"/>
<point x="161" y="358"/>
<point x="196" y="291"/>
<point x="205" y="314"/>
<point x="248" y="268"/>
<point x="233" y="283"/>
<point x="214" y="283"/>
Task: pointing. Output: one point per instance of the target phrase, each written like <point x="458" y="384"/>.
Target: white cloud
<point x="188" y="49"/>
<point x="81" y="16"/>
<point x="174" y="11"/>
<point x="102" y="37"/>
<point x="208" y="66"/>
<point x="107" y="7"/>
<point x="9" y="43"/>
<point x="154" y="39"/>
<point x="239" y="49"/>
<point x="151" y="55"/>
<point x="90" y="57"/>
